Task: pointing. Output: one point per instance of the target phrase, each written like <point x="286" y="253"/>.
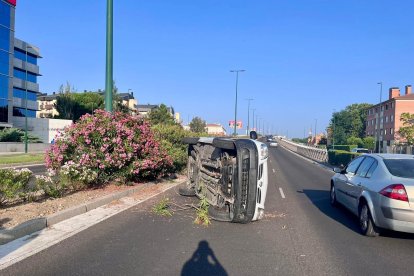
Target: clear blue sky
<point x="302" y="58"/>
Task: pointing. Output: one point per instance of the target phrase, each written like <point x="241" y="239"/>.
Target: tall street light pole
<point x="109" y="56"/>
<point x="379" y="118"/>
<point x="235" y="105"/>
<point x="254" y="109"/>
<point x="333" y="132"/>
<point x="248" y="114"/>
<point x="316" y="121"/>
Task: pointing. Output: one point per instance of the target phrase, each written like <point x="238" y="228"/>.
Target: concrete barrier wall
<point x="320" y="155"/>
<point x="19" y="147"/>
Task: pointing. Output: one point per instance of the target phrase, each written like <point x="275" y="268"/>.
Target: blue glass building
<point x="18" y="70"/>
<point x="6" y="57"/>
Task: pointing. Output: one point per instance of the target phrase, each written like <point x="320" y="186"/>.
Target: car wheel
<point x="366" y="224"/>
<point x="333" y="196"/>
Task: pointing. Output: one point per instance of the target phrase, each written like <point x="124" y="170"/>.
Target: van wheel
<point x="366" y="224"/>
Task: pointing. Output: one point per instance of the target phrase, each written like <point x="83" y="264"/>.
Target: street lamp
<point x="248" y="114"/>
<point x="379" y="118"/>
<point x="333" y="132"/>
<point x="109" y="56"/>
<point x="316" y="121"/>
<point x="235" y="106"/>
<point x="254" y="109"/>
<point x="25" y="115"/>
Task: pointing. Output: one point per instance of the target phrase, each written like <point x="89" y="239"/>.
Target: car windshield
<point x="363" y="151"/>
<point x="400" y="167"/>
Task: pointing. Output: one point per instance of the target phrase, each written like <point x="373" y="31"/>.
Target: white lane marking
<point x="282" y="193"/>
<point x="270" y="160"/>
<point x="274" y="171"/>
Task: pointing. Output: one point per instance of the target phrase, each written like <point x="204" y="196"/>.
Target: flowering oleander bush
<point x="15" y="184"/>
<point x="51" y="187"/>
<point x="104" y="146"/>
<point x="170" y="137"/>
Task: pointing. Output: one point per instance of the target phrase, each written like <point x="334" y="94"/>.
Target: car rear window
<point x="400" y="167"/>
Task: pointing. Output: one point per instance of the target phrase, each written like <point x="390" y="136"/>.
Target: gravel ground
<point x="11" y="216"/>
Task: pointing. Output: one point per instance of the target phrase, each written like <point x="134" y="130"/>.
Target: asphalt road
<point x="35" y="168"/>
<point x="301" y="234"/>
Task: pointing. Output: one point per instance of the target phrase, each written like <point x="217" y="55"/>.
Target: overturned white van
<point x="231" y="174"/>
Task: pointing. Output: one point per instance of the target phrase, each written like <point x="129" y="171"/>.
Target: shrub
<point x="355" y="141"/>
<point x="16" y="135"/>
<point x="170" y="138"/>
<point x="343" y="147"/>
<point x="15" y="183"/>
<point x="49" y="186"/>
<point x="340" y="157"/>
<point x="105" y="146"/>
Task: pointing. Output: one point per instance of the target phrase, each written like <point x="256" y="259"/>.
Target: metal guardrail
<point x="316" y="154"/>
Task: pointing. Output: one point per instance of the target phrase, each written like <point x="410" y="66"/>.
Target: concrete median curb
<point x="34" y="225"/>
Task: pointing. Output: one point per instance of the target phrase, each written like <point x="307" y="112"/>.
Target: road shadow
<point x="203" y="262"/>
<point x="320" y="198"/>
<point x="4" y="221"/>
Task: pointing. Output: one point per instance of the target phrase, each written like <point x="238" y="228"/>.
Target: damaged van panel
<point x="231" y="174"/>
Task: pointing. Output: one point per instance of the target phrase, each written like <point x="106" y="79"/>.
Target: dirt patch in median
<point x="11" y="216"/>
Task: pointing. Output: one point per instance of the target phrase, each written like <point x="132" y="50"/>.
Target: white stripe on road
<point x="270" y="160"/>
<point x="274" y="171"/>
<point x="282" y="193"/>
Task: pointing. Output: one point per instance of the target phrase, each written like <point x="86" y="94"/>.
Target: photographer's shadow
<point x="203" y="262"/>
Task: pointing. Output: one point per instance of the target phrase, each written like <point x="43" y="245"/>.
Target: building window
<point x="385" y="131"/>
<point x="19" y="54"/>
<point x="20" y="93"/>
<point x="4" y="62"/>
<point x="382" y="107"/>
<point x="388" y="143"/>
<point x="392" y="105"/>
<point x="386" y="119"/>
<point x="386" y="107"/>
<point x="20" y="74"/>
<point x="392" y="118"/>
<point x="391" y="130"/>
<point x="20" y="112"/>
<point x="4" y="38"/>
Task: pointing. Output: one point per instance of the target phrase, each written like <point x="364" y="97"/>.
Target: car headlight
<point x="264" y="151"/>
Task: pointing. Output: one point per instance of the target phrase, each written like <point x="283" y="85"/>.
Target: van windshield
<point x="400" y="167"/>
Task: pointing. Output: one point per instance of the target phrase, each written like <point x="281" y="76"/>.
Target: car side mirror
<point x="253" y="135"/>
<point x="338" y="170"/>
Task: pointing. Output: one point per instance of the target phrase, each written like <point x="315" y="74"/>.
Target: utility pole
<point x="235" y="105"/>
<point x="248" y="115"/>
<point x="254" y="126"/>
<point x="109" y="57"/>
<point x="379" y="118"/>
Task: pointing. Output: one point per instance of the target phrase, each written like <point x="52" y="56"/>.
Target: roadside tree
<point x="161" y="115"/>
<point x="198" y="125"/>
<point x="407" y="130"/>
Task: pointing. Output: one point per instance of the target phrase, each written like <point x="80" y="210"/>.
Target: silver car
<point x="379" y="189"/>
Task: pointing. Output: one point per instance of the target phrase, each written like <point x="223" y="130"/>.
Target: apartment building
<point x="383" y="119"/>
<point x="47" y="109"/>
<point x="216" y="129"/>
